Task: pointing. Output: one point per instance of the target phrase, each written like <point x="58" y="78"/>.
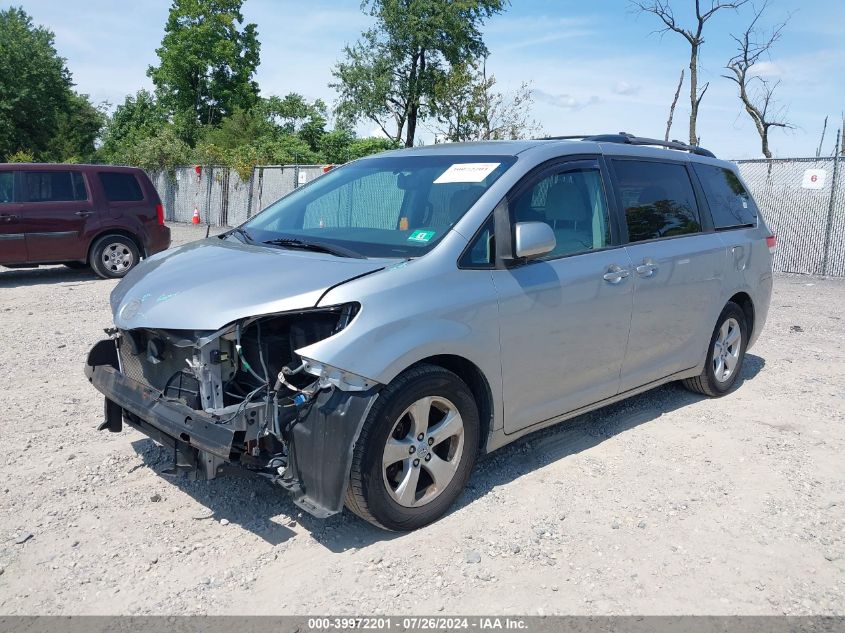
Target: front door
<point x="564" y="318"/>
<point x="677" y="270"/>
<point x="56" y="208"/>
<point x="12" y="243"/>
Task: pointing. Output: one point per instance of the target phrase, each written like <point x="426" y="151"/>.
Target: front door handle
<point x="647" y="268"/>
<point x="84" y="213"/>
<point x="615" y="274"/>
<point x="7" y="217"/>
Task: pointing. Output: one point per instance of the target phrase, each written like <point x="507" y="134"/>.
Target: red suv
<point x="79" y="215"/>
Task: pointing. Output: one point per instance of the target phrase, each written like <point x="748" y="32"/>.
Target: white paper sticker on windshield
<point x="467" y="172"/>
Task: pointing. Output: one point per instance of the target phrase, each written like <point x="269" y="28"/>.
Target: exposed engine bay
<point x="241" y="395"/>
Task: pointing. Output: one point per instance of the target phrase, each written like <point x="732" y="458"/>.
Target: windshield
<point x="392" y="206"/>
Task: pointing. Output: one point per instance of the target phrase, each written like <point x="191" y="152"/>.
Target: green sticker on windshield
<point x="421" y="236"/>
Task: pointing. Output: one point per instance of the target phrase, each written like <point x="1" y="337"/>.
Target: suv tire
<point x="725" y="354"/>
<point x="112" y="256"/>
<point x="426" y="419"/>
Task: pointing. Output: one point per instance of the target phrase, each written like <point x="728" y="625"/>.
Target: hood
<point x="208" y="284"/>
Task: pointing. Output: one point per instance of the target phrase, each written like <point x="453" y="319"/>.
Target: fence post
<point x="830" y="211"/>
<point x="249" y="194"/>
<point x="208" y="183"/>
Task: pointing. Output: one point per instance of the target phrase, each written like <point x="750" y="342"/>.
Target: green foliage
<point x="21" y="156"/>
<point x="138" y="118"/>
<point x="392" y="74"/>
<point x="34" y="84"/>
<point x="207" y="63"/>
<point x="163" y="150"/>
<point x="76" y="132"/>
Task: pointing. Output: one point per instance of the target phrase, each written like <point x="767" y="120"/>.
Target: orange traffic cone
<point x="196" y="218"/>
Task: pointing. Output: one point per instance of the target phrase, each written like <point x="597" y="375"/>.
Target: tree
<point x="391" y="74"/>
<point x="694" y="36"/>
<point x="34" y="85"/>
<point x="672" y="107"/>
<point x="138" y="118"/>
<point x="77" y="130"/>
<point x="755" y="91"/>
<point x="468" y="108"/>
<point x="207" y="64"/>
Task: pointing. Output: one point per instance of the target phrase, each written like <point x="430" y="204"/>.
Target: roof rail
<point x="630" y="139"/>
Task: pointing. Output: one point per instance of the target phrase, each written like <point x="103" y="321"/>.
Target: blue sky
<point x="595" y="66"/>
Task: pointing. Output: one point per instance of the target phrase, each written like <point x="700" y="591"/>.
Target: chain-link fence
<point x="803" y="202"/>
<point x="802" y="199"/>
<point x="220" y="197"/>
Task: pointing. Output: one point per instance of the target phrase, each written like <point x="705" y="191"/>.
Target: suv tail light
<point x="772" y="242"/>
<point x="160" y="214"/>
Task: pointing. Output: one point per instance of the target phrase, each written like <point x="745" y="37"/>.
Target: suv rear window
<point x="658" y="199"/>
<point x="120" y="187"/>
<point x="730" y="203"/>
<point x="53" y="186"/>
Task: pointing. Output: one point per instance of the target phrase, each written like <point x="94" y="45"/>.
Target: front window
<point x="392" y="206"/>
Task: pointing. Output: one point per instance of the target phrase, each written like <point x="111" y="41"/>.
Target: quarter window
<point x="730" y="204"/>
<point x="7" y="187"/>
<point x="480" y="253"/>
<point x="54" y="186"/>
<point x="658" y="199"/>
<point x="120" y="187"/>
<point x="572" y="202"/>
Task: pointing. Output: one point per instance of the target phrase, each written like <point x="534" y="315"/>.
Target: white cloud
<point x="625" y="88"/>
<point x="566" y="101"/>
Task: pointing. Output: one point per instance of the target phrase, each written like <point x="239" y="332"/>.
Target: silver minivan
<point x="361" y="341"/>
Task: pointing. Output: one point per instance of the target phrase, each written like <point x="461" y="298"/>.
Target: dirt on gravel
<point x="668" y="503"/>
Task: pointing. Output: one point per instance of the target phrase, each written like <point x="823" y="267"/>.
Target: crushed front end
<point x="241" y="395"/>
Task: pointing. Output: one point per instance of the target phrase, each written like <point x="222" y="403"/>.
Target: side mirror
<point x="533" y="239"/>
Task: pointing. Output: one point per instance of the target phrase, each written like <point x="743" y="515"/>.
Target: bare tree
<point x="694" y="35"/>
<point x="756" y="92"/>
<point x="469" y="108"/>
<point x="672" y="107"/>
<point x="842" y="150"/>
<point x="821" y="142"/>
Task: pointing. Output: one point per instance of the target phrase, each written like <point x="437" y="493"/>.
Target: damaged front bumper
<point x="303" y="443"/>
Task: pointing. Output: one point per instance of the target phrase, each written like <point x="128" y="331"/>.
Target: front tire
<point x="112" y="256"/>
<point x="724" y="356"/>
<point x="416" y="450"/>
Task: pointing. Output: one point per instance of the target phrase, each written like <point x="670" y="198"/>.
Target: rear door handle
<point x="7" y="217"/>
<point x="615" y="274"/>
<point x="84" y="213"/>
<point x="647" y="268"/>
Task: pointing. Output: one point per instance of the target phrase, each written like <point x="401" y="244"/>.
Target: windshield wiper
<point x="239" y="231"/>
<point x="291" y="242"/>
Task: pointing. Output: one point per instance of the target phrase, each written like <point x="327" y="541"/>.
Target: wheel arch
<point x="478" y="384"/>
<point x="744" y="301"/>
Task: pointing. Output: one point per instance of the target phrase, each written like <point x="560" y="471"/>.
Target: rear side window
<point x="7" y="186"/>
<point x="730" y="203"/>
<point x="121" y="187"/>
<point x="658" y="199"/>
<point x="53" y="186"/>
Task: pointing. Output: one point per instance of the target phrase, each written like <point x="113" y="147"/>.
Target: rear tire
<point x="725" y="355"/>
<point x="112" y="256"/>
<point x="399" y="481"/>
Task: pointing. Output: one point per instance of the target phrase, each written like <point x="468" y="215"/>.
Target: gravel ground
<point x="667" y="503"/>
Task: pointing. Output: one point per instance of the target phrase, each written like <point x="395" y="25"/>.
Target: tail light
<point x="772" y="242"/>
<point x="160" y="214"/>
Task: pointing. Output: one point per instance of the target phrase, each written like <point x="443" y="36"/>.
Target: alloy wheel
<point x="423" y="451"/>
<point x="726" y="350"/>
